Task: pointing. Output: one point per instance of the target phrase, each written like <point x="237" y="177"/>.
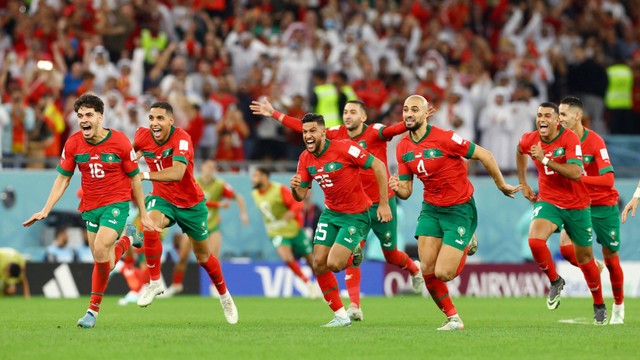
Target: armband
<point x="545" y="161"/>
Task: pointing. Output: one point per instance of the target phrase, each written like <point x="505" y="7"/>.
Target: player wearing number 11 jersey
<point x="176" y="198"/>
<point x="109" y="175"/>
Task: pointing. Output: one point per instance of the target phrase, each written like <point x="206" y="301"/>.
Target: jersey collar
<point x="554" y="139"/>
<point x="364" y="127"/>
<point x="101" y="141"/>
<point x="584" y="136"/>
<point x="426" y="133"/>
<point x="326" y="146"/>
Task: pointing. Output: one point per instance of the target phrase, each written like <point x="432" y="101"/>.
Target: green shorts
<point x="113" y="216"/>
<point x="576" y="222"/>
<point x="386" y="232"/>
<point x="192" y="221"/>
<point x="455" y="224"/>
<point x="299" y="244"/>
<point x="606" y="225"/>
<point x="341" y="228"/>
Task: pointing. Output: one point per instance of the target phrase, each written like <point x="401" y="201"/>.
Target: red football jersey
<point x="336" y="171"/>
<point x="178" y="147"/>
<point x="106" y="168"/>
<point x="553" y="187"/>
<point x="437" y="160"/>
<point x="596" y="162"/>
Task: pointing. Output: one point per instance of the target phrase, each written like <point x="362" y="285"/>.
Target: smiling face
<point x="313" y="135"/>
<point x="547" y="123"/>
<point x="259" y="180"/>
<point x="353" y="116"/>
<point x="570" y="116"/>
<point x="90" y="123"/>
<point x="160" y="122"/>
<point x="414" y="112"/>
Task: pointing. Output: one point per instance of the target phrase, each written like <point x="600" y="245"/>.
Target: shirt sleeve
<point x="228" y="192"/>
<point x="183" y="150"/>
<point x="573" y="150"/>
<point x="359" y="156"/>
<point x="129" y="158"/>
<point x="456" y="145"/>
<point x="67" y="163"/>
<point x="388" y="132"/>
<point x="404" y="172"/>
<point x="602" y="157"/>
<point x="138" y="139"/>
<point x="305" y="181"/>
<point x="291" y="204"/>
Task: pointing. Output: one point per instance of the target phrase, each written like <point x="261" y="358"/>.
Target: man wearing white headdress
<point x="496" y="125"/>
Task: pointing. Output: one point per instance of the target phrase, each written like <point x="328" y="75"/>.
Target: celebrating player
<point x="216" y="190"/>
<point x="605" y="215"/>
<point x="374" y="139"/>
<point x="283" y="222"/>
<point x="448" y="218"/>
<point x="334" y="164"/>
<point x="176" y="198"/>
<point x="563" y="200"/>
<point x="109" y="174"/>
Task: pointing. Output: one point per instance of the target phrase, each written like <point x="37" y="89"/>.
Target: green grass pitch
<point x="403" y="327"/>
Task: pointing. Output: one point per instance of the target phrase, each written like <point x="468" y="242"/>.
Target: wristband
<point x="545" y="161"/>
<point x="637" y="193"/>
<point x="145" y="175"/>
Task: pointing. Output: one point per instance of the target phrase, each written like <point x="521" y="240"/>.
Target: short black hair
<point x="311" y="117"/>
<point x="14" y="270"/>
<point x="343" y="76"/>
<point x="89" y="101"/>
<point x="359" y="102"/>
<point x="163" y="105"/>
<point x="264" y="169"/>
<point x="549" y="104"/>
<point x="572" y="101"/>
<point x="320" y="74"/>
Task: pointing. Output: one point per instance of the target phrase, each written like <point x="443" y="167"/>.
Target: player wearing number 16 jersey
<point x="176" y="198"/>
<point x="109" y="175"/>
<point x="448" y="218"/>
<point x="335" y="165"/>
<point x="562" y="201"/>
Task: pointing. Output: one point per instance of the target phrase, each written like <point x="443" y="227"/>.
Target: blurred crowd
<point x="484" y="64"/>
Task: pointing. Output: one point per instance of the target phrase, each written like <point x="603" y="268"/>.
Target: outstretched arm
<point x="265" y="108"/>
<point x="489" y="162"/>
<point x="243" y="209"/>
<point x="59" y="186"/>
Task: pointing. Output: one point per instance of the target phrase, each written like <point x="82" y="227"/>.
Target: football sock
<point x="543" y="258"/>
<point x="592" y="276"/>
<point x="152" y="253"/>
<point x="352" y="281"/>
<point x="178" y="276"/>
<point x="295" y="267"/>
<point x="463" y="261"/>
<point x="440" y="294"/>
<point x="99" y="279"/>
<point x="120" y="247"/>
<point x="401" y="260"/>
<point x="212" y="267"/>
<point x="349" y="262"/>
<point x="569" y="254"/>
<point x="330" y="290"/>
<point x="617" y="278"/>
<point x="131" y="277"/>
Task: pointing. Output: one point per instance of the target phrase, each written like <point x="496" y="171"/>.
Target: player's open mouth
<point x="86" y="130"/>
<point x="156" y="132"/>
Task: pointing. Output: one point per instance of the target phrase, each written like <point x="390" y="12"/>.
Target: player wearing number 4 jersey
<point x="334" y="164"/>
<point x="109" y="175"/>
<point x="562" y="201"/>
<point x="176" y="198"/>
<point x="448" y="218"/>
<point x="605" y="215"/>
<point x="374" y="139"/>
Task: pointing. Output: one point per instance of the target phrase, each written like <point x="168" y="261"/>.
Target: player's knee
<point x="445" y="274"/>
<point x="319" y="268"/>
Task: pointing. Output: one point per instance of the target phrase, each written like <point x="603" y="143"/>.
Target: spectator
<point x="16" y="131"/>
<point x="59" y="251"/>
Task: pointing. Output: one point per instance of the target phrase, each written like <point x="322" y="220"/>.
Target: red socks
<point x="295" y="267"/>
<point x="152" y="253"/>
<point x="440" y="294"/>
<point x="120" y="247"/>
<point x="401" y="260"/>
<point x="569" y="254"/>
<point x="99" y="280"/>
<point x="352" y="280"/>
<point x="212" y="267"/>
<point x="592" y="276"/>
<point x="178" y="276"/>
<point x="617" y="278"/>
<point x="543" y="258"/>
<point x="329" y="286"/>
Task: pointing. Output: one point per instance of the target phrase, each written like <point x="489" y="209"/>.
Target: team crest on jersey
<point x="362" y="144"/>
<point x="587" y="159"/>
<point x="352" y="230"/>
<point x="558" y="152"/>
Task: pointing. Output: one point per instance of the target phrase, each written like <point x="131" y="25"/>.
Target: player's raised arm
<point x="59" y="186"/>
<point x="265" y="108"/>
<point x="489" y="162"/>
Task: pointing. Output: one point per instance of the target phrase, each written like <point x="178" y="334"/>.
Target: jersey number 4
<point x="421" y="169"/>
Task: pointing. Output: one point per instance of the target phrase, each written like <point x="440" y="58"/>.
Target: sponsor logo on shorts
<point x="387" y="244"/>
<point x="113" y="221"/>
<point x="92" y="224"/>
<point x="614" y="243"/>
<point x="459" y="241"/>
<point x="349" y="240"/>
